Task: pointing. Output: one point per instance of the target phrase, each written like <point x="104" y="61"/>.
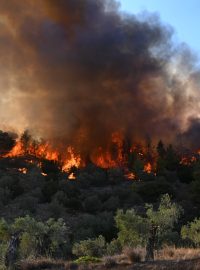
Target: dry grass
<point x="45" y="263"/>
<point x="131" y="259"/>
<point x="172" y="253"/>
<point x="133" y="255"/>
<point x="109" y="262"/>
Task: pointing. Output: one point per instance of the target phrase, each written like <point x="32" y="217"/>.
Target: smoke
<point x="80" y="70"/>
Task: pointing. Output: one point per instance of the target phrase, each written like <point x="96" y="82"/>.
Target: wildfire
<point x="188" y="160"/>
<point x="72" y="176"/>
<point x="68" y="159"/>
<point x="148" y="168"/>
<point x="130" y="176"/>
<point x="23" y="170"/>
<point x="115" y="154"/>
<point x="72" y="160"/>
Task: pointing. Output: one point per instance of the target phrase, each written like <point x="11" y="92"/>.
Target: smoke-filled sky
<point x="81" y="70"/>
<point x="183" y="15"/>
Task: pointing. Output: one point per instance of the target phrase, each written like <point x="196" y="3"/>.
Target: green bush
<point x="87" y="259"/>
<point x="114" y="247"/>
<point x="191" y="232"/>
<point x="133" y="229"/>
<point x="3" y="249"/>
<point x="91" y="247"/>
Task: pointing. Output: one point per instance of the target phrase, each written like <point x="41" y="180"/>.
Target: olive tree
<point x="147" y="230"/>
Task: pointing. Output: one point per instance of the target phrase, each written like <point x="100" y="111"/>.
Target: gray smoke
<point x="79" y="70"/>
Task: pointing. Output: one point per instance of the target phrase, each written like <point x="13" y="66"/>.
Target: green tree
<point x="38" y="238"/>
<point x="165" y="217"/>
<point x="135" y="230"/>
<point x="191" y="232"/>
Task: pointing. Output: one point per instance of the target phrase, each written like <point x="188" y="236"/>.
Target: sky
<point x="183" y="15"/>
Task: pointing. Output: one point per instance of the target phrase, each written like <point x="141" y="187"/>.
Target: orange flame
<point x="113" y="155"/>
<point x="23" y="170"/>
<point x="71" y="176"/>
<point x="148" y="168"/>
<point x="68" y="160"/>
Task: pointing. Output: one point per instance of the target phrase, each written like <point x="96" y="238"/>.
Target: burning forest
<point x="99" y="134"/>
<point x="82" y="75"/>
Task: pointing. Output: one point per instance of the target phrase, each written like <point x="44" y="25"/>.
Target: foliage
<point x="91" y="247"/>
<point x="87" y="259"/>
<point x="134" y="229"/>
<point x="4" y="230"/>
<point x="3" y="249"/>
<point x="92" y="204"/>
<point x="191" y="231"/>
<point x="114" y="247"/>
<point x="150" y="191"/>
<point x="48" y="238"/>
<point x="166" y="215"/>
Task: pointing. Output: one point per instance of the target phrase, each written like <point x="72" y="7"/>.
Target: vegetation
<point x="101" y="213"/>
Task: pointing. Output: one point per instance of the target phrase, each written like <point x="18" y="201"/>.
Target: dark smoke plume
<point x="80" y="70"/>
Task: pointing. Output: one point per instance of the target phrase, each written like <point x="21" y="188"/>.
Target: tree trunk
<point x="11" y="253"/>
<point x="151" y="243"/>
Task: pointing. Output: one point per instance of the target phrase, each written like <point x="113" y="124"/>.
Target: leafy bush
<point x="87" y="259"/>
<point x="91" y="247"/>
<point x="191" y="231"/>
<point x="133" y="229"/>
<point x="3" y="249"/>
<point x="150" y="191"/>
<point x="114" y="247"/>
<point x="38" y="238"/>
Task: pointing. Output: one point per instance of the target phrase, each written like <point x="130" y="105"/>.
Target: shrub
<point x="92" y="204"/>
<point x="134" y="255"/>
<point x="133" y="229"/>
<point x="91" y="247"/>
<point x="111" y="204"/>
<point x="191" y="231"/>
<point x="3" y="249"/>
<point x="114" y="247"/>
